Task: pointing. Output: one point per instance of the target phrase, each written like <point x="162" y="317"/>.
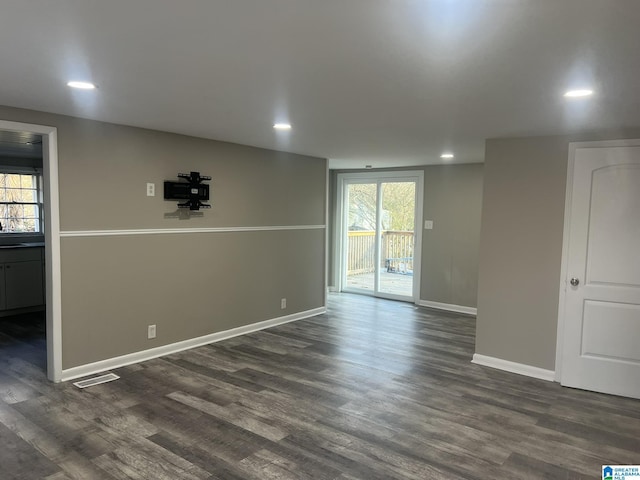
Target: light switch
<point x="428" y="224"/>
<point x="151" y="189"/>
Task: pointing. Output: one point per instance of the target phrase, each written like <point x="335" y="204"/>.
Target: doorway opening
<point x="30" y="304"/>
<point x="378" y="234"/>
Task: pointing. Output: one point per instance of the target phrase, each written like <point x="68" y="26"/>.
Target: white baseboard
<point x="513" y="367"/>
<point x="449" y="307"/>
<point x="123" y="360"/>
<point x="332" y="289"/>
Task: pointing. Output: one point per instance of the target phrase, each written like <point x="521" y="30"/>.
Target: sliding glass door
<point x="361" y="238"/>
<point x="397" y="238"/>
<point x="378" y="234"/>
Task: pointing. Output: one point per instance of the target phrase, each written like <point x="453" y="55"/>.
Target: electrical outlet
<point x="151" y="189"/>
<point x="283" y="303"/>
<point x="428" y="224"/>
<point x="151" y="331"/>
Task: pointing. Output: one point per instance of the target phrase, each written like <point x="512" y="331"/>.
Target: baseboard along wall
<point x="513" y="367"/>
<point x="448" y="307"/>
<point x="137" y="357"/>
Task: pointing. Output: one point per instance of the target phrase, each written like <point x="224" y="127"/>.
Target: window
<point x="20" y="202"/>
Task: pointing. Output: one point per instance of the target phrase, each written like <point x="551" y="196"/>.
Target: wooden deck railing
<point x="396" y="247"/>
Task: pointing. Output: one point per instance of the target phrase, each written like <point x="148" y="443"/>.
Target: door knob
<point x="574" y="281"/>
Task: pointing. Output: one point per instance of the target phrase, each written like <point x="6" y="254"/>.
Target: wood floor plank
<point x="14" y="391"/>
<point x="149" y="460"/>
<point x="58" y="476"/>
<point x="239" y="417"/>
<point x="373" y="389"/>
<point x="77" y="467"/>
<point x="19" y="459"/>
<point x="201" y="456"/>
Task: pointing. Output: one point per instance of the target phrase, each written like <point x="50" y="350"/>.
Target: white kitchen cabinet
<point x="21" y="278"/>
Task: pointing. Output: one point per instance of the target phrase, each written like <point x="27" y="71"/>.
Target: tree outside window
<point x="19" y="203"/>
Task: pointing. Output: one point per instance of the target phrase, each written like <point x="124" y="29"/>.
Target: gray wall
<point x="521" y="246"/>
<point x="188" y="284"/>
<point x="452" y="199"/>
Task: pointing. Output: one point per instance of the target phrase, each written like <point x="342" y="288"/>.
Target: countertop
<point x="22" y="245"/>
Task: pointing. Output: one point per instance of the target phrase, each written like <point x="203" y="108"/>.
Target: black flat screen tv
<point x="185" y="191"/>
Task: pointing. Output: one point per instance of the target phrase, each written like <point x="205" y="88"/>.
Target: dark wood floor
<point x="371" y="390"/>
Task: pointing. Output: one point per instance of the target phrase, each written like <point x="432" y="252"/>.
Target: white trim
<point x="633" y="142"/>
<point x="513" y="367"/>
<point x="326" y="231"/>
<point x="377" y="240"/>
<point x="449" y="307"/>
<point x="52" y="241"/>
<point x="165" y="231"/>
<point x="123" y="360"/>
<point x="338" y="240"/>
<point x="564" y="265"/>
<point x="332" y="289"/>
<point x="417" y="244"/>
<point x="564" y="261"/>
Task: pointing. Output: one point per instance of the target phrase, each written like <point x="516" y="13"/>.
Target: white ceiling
<point x="363" y="82"/>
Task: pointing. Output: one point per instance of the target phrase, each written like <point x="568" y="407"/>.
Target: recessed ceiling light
<point x="81" y="85"/>
<point x="579" y="93"/>
<point x="446" y="155"/>
<point x="282" y="126"/>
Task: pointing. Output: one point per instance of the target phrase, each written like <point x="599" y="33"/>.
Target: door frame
<point x="375" y="176"/>
<point x="52" y="241"/>
<point x="566" y="241"/>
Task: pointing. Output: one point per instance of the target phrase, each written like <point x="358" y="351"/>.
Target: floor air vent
<point x="90" y="382"/>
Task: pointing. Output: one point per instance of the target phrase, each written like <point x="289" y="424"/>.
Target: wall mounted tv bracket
<point x="193" y="191"/>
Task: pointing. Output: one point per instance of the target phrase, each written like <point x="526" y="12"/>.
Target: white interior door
<point x="601" y="339"/>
